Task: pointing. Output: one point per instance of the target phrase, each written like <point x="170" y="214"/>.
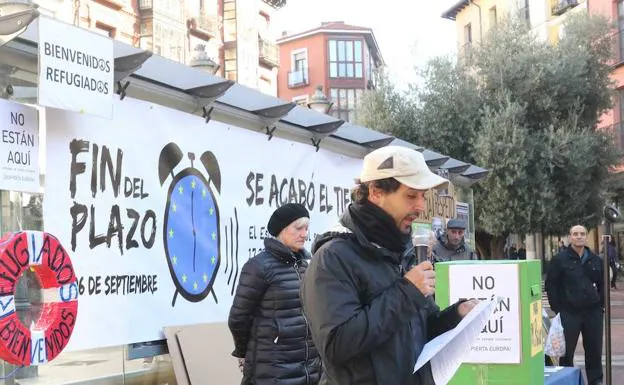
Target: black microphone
<point x="420" y="240"/>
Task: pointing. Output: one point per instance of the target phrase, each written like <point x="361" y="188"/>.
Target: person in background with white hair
<point x="271" y="336"/>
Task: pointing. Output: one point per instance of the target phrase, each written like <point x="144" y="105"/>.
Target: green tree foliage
<point x="527" y="111"/>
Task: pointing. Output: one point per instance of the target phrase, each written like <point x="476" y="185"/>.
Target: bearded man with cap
<point x="451" y="245"/>
<point x="369" y="305"/>
<point x="271" y="336"/>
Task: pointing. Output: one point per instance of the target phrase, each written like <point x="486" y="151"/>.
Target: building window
<point x="299" y="60"/>
<point x="168" y="42"/>
<point x="492" y="15"/>
<point x="345" y="59"/>
<point x="345" y="101"/>
<point x="298" y="75"/>
<point x="230" y="64"/>
<point x="620" y="8"/>
<point x="618" y="127"/>
<point x="467" y="34"/>
<point x="229" y="20"/>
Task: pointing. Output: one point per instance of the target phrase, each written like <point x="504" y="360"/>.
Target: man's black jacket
<point x="368" y="322"/>
<point x="573" y="283"/>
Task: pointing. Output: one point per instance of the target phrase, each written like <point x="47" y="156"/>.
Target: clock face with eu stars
<point x="191" y="234"/>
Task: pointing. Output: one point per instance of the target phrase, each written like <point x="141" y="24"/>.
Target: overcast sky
<point x="407" y="31"/>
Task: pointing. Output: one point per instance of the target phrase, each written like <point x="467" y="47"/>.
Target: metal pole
<point x="607" y="305"/>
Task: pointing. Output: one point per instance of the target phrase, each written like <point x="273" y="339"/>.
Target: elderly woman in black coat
<point x="271" y="335"/>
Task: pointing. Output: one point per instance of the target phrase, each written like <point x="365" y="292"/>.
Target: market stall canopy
<point x="175" y="85"/>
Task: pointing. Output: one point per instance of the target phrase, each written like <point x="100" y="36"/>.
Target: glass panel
<point x="332" y="50"/>
<point x="621" y="95"/>
<point x="334" y="95"/>
<point x="350" y="99"/>
<point x="342" y="70"/>
<point x="230" y="53"/>
<point x="358" y="51"/>
<point x="342" y="97"/>
<point x="333" y="70"/>
<point x="341" y="51"/>
<point x="358" y="70"/>
<point x="349" y="70"/>
<point x="230" y="65"/>
<point x="229" y="30"/>
<point x="349" y="49"/>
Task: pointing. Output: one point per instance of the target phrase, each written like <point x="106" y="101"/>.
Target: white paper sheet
<point x="447" y="351"/>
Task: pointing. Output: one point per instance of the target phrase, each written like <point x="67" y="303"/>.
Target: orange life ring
<point x="47" y="336"/>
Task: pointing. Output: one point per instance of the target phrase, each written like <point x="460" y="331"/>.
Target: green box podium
<point x="509" y="349"/>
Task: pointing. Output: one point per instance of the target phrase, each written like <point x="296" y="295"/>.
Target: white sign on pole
<point x="500" y="339"/>
<point x="159" y="211"/>
<point x="76" y="69"/>
<point x="19" y="147"/>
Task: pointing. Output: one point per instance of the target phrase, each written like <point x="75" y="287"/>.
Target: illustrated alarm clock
<point x="191" y="236"/>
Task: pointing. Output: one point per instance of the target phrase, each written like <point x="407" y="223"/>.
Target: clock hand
<point x="193" y="224"/>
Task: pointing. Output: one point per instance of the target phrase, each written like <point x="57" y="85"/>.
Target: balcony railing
<point x="207" y="24"/>
<point x="269" y="52"/>
<point x="298" y="78"/>
<point x="145" y="4"/>
<point x="275" y="3"/>
<point x="561" y="6"/>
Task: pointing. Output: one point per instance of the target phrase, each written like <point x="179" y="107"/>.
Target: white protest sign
<point x="500" y="339"/>
<point x="75" y="69"/>
<point x="19" y="147"/>
<point x="447" y="351"/>
<point x="159" y="211"/>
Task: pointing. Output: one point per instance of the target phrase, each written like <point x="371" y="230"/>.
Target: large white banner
<point x="19" y="148"/>
<point x="160" y="210"/>
<point x="76" y="68"/>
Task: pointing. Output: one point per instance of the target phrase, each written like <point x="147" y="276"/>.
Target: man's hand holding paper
<point x="465" y="307"/>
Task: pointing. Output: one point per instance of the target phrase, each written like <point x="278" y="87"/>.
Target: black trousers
<point x="589" y="323"/>
<point x="615" y="274"/>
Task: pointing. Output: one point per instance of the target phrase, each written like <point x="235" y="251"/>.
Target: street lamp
<point x="202" y="61"/>
<point x="15" y="16"/>
<point x="611" y="215"/>
<point x="319" y="102"/>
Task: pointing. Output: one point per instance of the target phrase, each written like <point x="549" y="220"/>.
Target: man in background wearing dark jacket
<point x="576" y="292"/>
<point x="368" y="304"/>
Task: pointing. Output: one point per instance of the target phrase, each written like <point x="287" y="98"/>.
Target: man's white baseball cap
<point x="403" y="164"/>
